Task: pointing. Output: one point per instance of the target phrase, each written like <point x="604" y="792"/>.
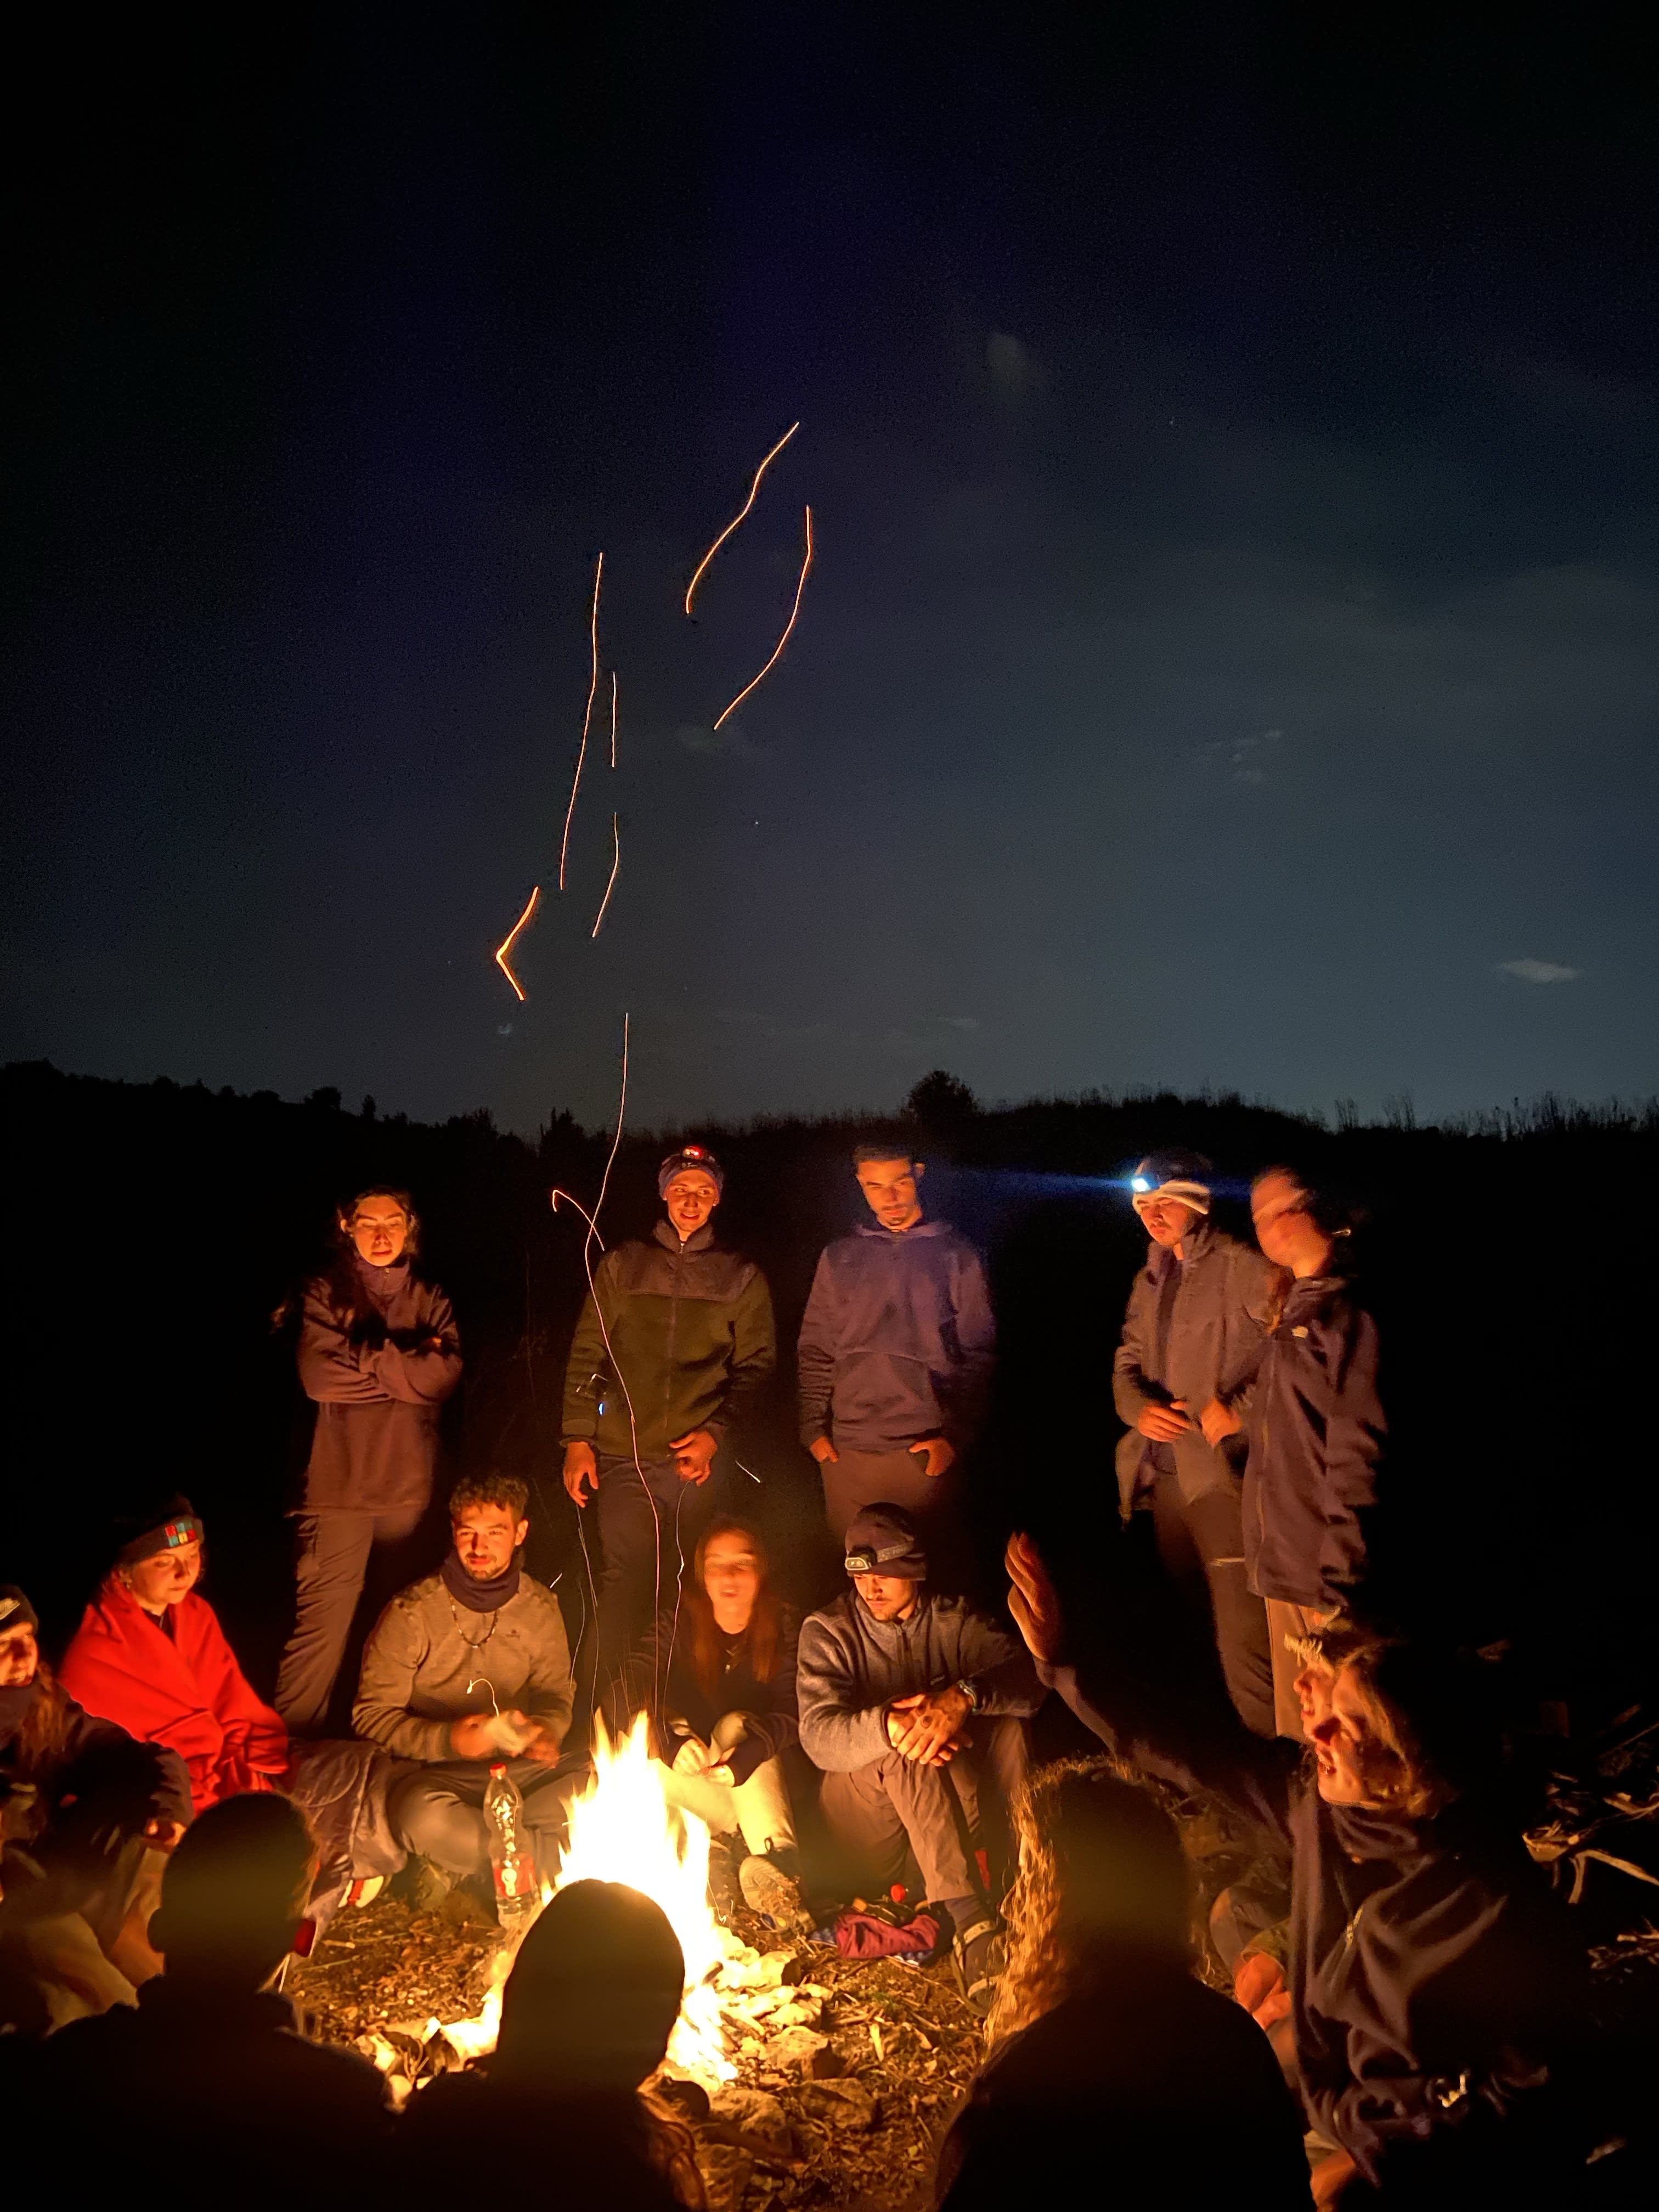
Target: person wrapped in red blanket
<point x="150" y="1654"/>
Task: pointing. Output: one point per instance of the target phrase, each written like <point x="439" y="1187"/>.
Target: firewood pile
<point x="848" y="2070"/>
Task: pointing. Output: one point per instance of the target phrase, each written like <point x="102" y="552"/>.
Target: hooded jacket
<point x="852" y="1665"/>
<point x="1434" y="1996"/>
<point x="1196" y="1329"/>
<point x="428" y="1662"/>
<point x="93" y="1769"/>
<point x="377" y="1388"/>
<point x="898" y="1340"/>
<point x="182" y="1689"/>
<point x="674" y="1692"/>
<point x="691" y="1338"/>
<point x="1317" y="1433"/>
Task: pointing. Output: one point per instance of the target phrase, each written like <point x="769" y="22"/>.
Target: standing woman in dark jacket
<point x="1437" y="1998"/>
<point x="379" y="1354"/>
<point x="1317" y="1433"/>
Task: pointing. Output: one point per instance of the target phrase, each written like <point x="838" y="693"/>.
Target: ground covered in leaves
<point x="854" y="2123"/>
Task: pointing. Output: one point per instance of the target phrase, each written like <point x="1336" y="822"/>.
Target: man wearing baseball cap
<point x="912" y="1706"/>
<point x="675" y="1346"/>
<point x="1193" y="1340"/>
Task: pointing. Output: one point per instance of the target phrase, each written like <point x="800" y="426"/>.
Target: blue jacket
<point x="1317" y="1433"/>
<point x="897" y="1341"/>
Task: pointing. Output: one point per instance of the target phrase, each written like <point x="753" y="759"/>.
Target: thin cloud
<point x="1538" y="971"/>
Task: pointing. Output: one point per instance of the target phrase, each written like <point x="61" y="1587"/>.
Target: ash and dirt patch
<point x="854" y="2123"/>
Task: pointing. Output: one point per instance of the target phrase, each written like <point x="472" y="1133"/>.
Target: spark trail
<point x="740" y="515"/>
<point x="794" y="611"/>
<point x="506" y="945"/>
<point x="613" y="718"/>
<point x="592" y="687"/>
<point x="615" y="862"/>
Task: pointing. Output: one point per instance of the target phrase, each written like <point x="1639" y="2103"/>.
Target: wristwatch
<point x="969" y="1692"/>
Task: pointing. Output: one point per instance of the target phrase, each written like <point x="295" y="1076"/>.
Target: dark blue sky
<point x="1231" y="654"/>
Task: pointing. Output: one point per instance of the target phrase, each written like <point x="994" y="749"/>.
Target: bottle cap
<point x="497" y="1767"/>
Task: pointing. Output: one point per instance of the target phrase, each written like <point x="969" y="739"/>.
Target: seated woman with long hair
<point x="1108" y="2053"/>
<point x="1437" y="2000"/>
<point x="718" y="1678"/>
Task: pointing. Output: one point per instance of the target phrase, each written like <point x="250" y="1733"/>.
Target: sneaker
<point x="771" y="1890"/>
<point x="979" y="1954"/>
<point x="364" y="1889"/>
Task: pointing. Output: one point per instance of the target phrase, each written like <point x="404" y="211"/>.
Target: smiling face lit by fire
<point x="691" y="1198"/>
<point x="486" y="1537"/>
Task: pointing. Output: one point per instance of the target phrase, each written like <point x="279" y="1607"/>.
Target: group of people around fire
<point x="1408" y="2022"/>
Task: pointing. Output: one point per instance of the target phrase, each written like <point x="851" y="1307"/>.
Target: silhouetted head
<point x="235" y="1892"/>
<point x="593" y="1994"/>
<point x="1102" y="1882"/>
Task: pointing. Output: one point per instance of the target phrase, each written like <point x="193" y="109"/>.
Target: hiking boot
<point x="979" y="1955"/>
<point x="772" y="1890"/>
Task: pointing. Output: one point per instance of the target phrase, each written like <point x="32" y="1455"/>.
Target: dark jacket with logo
<point x="1317" y="1433"/>
<point x="898" y="1340"/>
<point x="692" y="1345"/>
<point x="1435" y="1995"/>
<point x="1194" y="1329"/>
<point x="379" y="1389"/>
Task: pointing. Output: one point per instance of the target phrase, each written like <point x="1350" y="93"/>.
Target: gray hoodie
<point x="851" y="1665"/>
<point x="429" y="1661"/>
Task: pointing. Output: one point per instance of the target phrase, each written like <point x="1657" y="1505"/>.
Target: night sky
<point x="1231" y="654"/>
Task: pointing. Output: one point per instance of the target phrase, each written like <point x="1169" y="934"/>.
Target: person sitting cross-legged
<point x="585" y="2017"/>
<point x="1102" y="2034"/>
<point x="913" y="1704"/>
<point x="466" y="1669"/>
<point x="718" y="1678"/>
<point x="212" y="2047"/>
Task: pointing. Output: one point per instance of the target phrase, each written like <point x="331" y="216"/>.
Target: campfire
<point x="622" y="1829"/>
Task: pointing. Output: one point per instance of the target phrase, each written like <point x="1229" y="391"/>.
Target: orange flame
<point x="615" y="862"/>
<point x="787" y="627"/>
<point x="741" y="513"/>
<point x="506" y="944"/>
<point x="592" y="686"/>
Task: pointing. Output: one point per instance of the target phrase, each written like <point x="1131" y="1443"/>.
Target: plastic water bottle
<point x="511" y="1856"/>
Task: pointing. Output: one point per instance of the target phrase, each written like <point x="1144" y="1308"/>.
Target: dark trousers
<point x="854" y="1479"/>
<point x="1201" y="1541"/>
<point x="334" y="1550"/>
<point x="648" y="1523"/>
<point x="942" y="1812"/>
<point x="435" y="1810"/>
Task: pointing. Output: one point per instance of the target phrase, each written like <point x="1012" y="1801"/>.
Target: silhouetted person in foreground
<point x="1316" y="1429"/>
<point x="379" y="1354"/>
<point x="212" y="2048"/>
<point x="1193" y="1340"/>
<point x="585" y="2017"/>
<point x="1437" y="1996"/>
<point x="1108" y="2055"/>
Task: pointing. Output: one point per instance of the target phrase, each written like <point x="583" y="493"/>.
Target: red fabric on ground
<point x="185" y="1691"/>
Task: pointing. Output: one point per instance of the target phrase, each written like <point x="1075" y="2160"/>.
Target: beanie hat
<point x="159" y="1529"/>
<point x="882" y="1539"/>
<point x="683" y="1161"/>
<point x="1184" y="1177"/>
<point x="15" y="1611"/>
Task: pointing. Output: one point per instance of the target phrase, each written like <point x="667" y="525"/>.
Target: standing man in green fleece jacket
<point x="674" y="1345"/>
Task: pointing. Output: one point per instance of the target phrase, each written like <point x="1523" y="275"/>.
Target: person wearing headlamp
<point x="1193" y="1340"/>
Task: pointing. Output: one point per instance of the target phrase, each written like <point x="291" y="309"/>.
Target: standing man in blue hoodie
<point x="897" y="1346"/>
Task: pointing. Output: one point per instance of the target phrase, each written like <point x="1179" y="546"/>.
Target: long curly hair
<point x="1102" y="1873"/>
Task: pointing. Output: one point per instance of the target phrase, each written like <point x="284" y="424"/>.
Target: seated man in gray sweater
<point x="913" y="1706"/>
<point x="466" y="1669"/>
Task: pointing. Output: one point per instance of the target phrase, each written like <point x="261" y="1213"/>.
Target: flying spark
<point x="615" y="862"/>
<point x="741" y="513"/>
<point x="506" y="944"/>
<point x="592" y="686"/>
<point x="613" y="718"/>
<point x="787" y="627"/>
